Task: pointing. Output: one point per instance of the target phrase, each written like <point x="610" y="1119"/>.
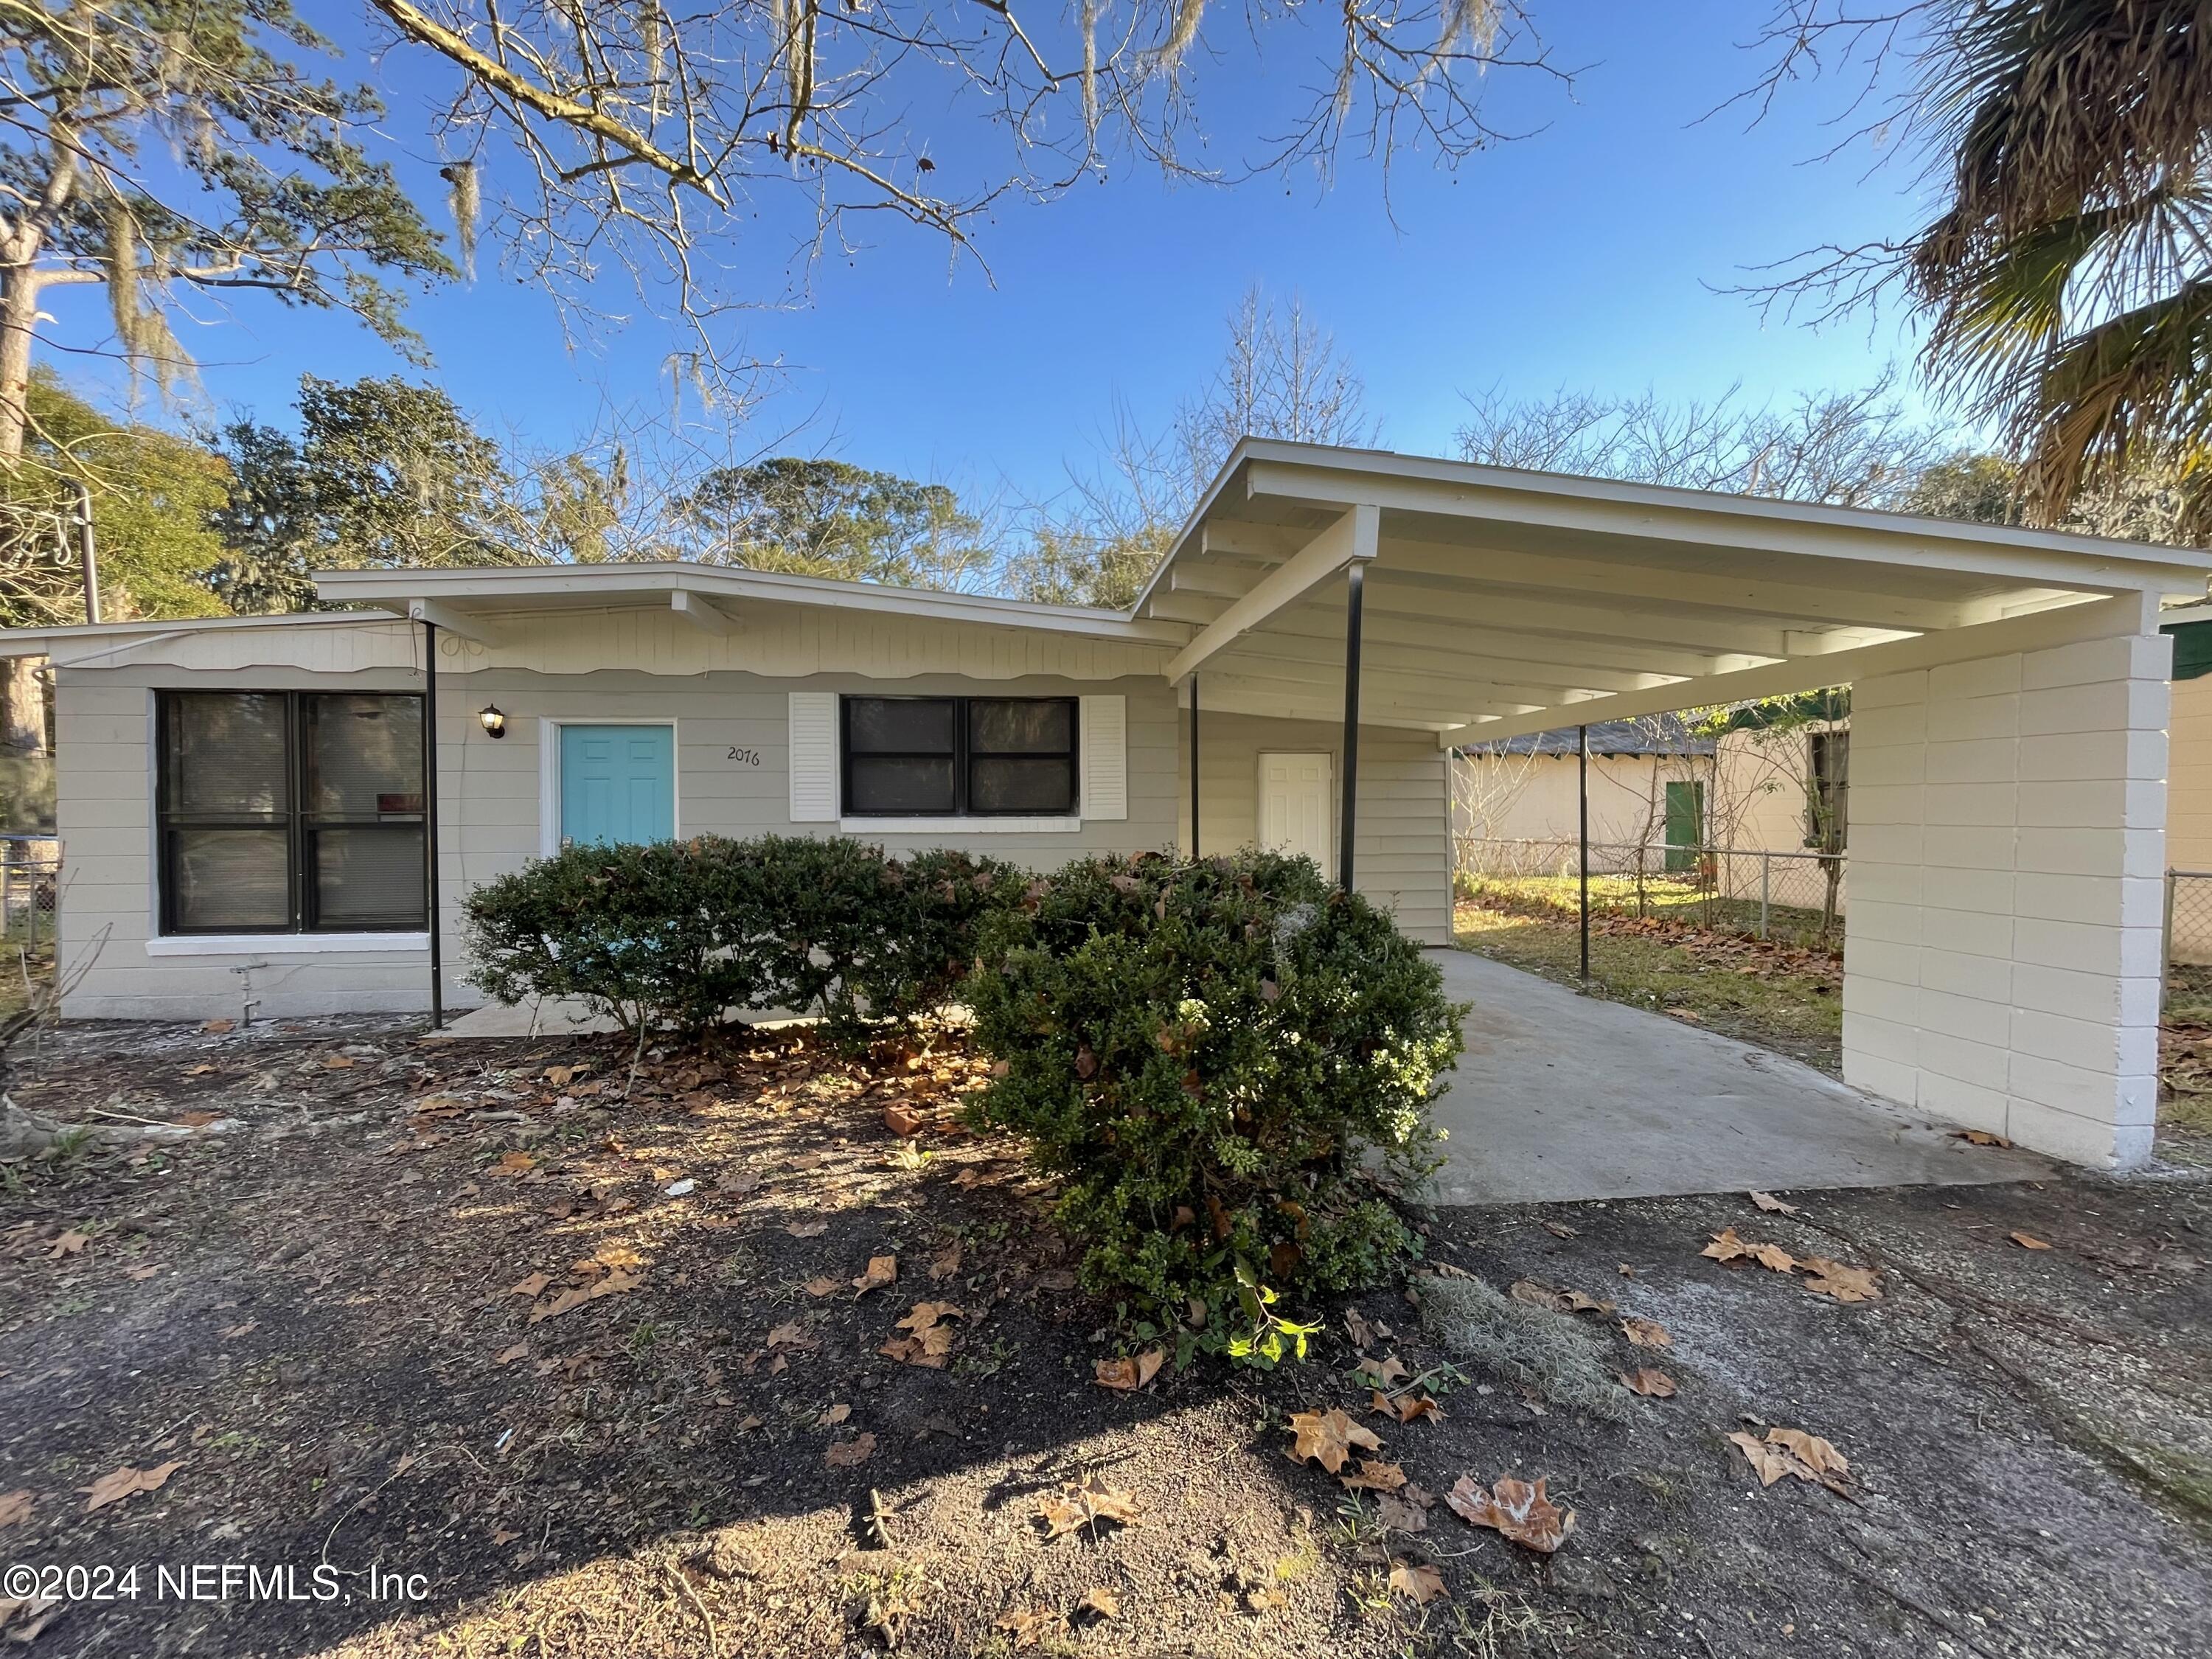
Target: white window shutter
<point x="1105" y="744"/>
<point x="814" y="757"/>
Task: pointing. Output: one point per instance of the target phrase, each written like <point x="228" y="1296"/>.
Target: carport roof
<point x="1501" y="602"/>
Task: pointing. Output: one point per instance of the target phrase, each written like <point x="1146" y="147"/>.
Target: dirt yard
<point x="499" y="1349"/>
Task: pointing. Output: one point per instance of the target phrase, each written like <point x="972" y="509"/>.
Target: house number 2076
<point x="745" y="757"/>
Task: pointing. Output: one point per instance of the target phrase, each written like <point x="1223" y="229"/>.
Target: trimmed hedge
<point x="1208" y="1053"/>
<point x="675" y="933"/>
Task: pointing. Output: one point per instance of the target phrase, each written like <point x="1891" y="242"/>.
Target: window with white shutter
<point x="1105" y="750"/>
<point x="813" y="758"/>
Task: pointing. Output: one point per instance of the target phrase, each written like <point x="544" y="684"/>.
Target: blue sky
<point x="1583" y="256"/>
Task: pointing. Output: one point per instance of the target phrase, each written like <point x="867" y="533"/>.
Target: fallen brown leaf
<point x="1646" y="1333"/>
<point x="1794" y="1453"/>
<point x="118" y="1484"/>
<point x="509" y="1354"/>
<point x="945" y="1263"/>
<point x="1980" y="1138"/>
<point x="1076" y="1508"/>
<point x="533" y="1286"/>
<point x="1383" y="1372"/>
<point x="217" y="1027"/>
<point x="337" y="1062"/>
<point x="1774" y="1206"/>
<point x="881" y="1270"/>
<point x="2029" y="1241"/>
<point x="836" y="1414"/>
<point x="1517" y="1510"/>
<point x="1029" y="1627"/>
<point x="807" y="1229"/>
<point x="930" y="1340"/>
<point x="71" y="1242"/>
<point x="232" y="1331"/>
<point x="1373" y="1475"/>
<point x="1328" y="1437"/>
<point x="1395" y="1513"/>
<point x="822" y="1286"/>
<point x="1649" y="1381"/>
<point x="1100" y="1603"/>
<point x="1406" y="1407"/>
<point x="613" y="1283"/>
<point x="1423" y="1583"/>
<point x="15" y="1507"/>
<point x="1126" y="1376"/>
<point x="1839" y="1281"/>
<point x="850" y="1454"/>
<point x="1726" y="1247"/>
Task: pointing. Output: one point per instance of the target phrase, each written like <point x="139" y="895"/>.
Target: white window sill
<point x="958" y="826"/>
<point x="258" y="944"/>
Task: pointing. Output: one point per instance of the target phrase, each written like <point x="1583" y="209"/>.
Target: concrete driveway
<point x="1566" y="1096"/>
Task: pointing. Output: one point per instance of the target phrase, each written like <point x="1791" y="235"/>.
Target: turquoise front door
<point x="617" y="783"/>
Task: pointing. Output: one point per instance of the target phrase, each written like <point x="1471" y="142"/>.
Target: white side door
<point x="1297" y="804"/>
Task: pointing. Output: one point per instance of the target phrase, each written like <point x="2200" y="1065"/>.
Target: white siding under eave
<point x="1403" y="857"/>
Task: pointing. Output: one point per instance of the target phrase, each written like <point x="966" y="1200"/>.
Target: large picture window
<point x="959" y="757"/>
<point x="290" y="812"/>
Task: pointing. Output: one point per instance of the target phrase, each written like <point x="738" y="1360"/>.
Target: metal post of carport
<point x="1194" y="768"/>
<point x="1356" y="580"/>
<point x="1582" y="808"/>
<point x="430" y="819"/>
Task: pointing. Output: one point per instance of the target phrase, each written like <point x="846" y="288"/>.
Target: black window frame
<point x="963" y="755"/>
<point x="299" y="824"/>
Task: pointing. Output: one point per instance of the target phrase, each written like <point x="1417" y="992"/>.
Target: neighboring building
<point x="1658" y="786"/>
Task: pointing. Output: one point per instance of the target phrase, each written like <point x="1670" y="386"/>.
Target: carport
<point x="2009" y="702"/>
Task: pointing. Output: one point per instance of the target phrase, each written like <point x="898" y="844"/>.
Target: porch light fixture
<point x="492" y="720"/>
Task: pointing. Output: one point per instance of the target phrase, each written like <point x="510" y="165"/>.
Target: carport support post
<point x="1356" y="581"/>
<point x="1194" y="768"/>
<point x="1581" y="810"/>
<point x="431" y="819"/>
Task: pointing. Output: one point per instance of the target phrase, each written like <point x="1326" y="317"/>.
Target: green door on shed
<point x="1686" y="824"/>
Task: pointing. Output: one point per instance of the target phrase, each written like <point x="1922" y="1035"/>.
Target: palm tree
<point x="2067" y="284"/>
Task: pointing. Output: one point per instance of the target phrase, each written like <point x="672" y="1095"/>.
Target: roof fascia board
<point x="2125" y="613"/>
<point x="32" y="641"/>
<point x="1351" y="538"/>
<point x="501" y="590"/>
<point x="1320" y="475"/>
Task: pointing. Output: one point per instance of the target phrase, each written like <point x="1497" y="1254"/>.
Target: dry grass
<point x="1777" y="998"/>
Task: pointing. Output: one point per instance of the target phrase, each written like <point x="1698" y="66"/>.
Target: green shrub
<point x="1206" y="1052"/>
<point x="671" y="935"/>
<point x="643" y="933"/>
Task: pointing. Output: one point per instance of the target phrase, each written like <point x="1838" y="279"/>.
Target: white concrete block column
<point x="2002" y="943"/>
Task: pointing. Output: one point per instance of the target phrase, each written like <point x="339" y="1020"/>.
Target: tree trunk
<point x="19" y="316"/>
<point x="22" y="708"/>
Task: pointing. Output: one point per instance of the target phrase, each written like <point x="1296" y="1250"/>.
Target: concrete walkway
<point x="1566" y="1096"/>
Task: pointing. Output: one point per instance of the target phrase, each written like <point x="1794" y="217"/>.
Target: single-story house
<point x="284" y="812"/>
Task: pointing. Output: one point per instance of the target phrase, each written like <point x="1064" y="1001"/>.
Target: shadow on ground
<point x="324" y="1320"/>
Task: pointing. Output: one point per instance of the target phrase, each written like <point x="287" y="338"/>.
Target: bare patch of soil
<point x="442" y="1328"/>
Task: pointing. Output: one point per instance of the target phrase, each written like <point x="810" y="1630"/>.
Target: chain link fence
<point x="1792" y="897"/>
<point x="2188" y="955"/>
